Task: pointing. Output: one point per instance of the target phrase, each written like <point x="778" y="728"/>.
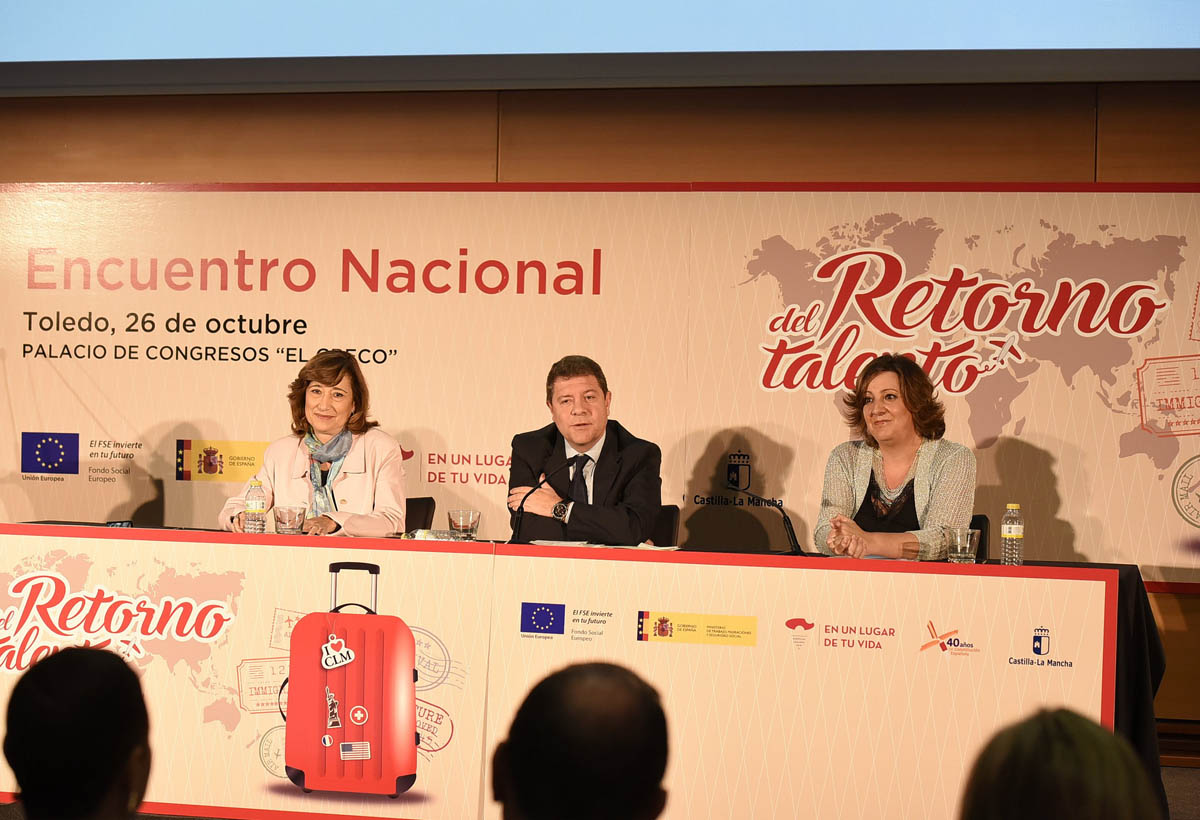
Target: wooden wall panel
<point x="932" y="133"/>
<point x="1149" y="133"/>
<point x="1178" y="618"/>
<point x="257" y="138"/>
<point x="1146" y="132"/>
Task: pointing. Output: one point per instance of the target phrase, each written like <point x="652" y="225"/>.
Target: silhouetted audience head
<point x="588" y="743"/>
<point x="78" y="737"/>
<point x="1058" y="764"/>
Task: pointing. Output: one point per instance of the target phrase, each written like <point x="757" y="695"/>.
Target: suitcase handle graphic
<point x="337" y="567"/>
<point x="340" y="607"/>
<point x="334" y="569"/>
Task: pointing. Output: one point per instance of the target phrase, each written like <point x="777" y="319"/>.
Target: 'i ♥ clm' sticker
<point x="335" y="653"/>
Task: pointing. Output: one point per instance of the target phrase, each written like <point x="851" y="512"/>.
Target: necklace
<point x="881" y="481"/>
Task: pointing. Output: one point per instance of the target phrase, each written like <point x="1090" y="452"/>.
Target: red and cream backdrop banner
<point x="820" y="687"/>
<point x="810" y="687"/>
<point x="208" y="627"/>
<point x="152" y="331"/>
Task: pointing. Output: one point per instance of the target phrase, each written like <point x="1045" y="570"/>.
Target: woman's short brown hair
<point x="328" y="368"/>
<point x="928" y="414"/>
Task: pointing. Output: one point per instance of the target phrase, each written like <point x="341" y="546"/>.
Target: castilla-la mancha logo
<point x="976" y="323"/>
<point x="737" y="471"/>
<point x="49" y="615"/>
<point x="1041" y="641"/>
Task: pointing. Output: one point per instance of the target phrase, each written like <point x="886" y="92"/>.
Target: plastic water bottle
<point x="256" y="508"/>
<point x="1012" y="536"/>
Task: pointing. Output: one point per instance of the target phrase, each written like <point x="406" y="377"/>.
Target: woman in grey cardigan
<point x="890" y="493"/>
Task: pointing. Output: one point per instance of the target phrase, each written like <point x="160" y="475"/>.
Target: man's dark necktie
<point x="578" y="491"/>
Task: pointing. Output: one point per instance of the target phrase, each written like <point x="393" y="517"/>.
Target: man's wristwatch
<point x="560" y="511"/>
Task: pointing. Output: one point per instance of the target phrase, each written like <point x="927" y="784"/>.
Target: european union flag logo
<point x="50" y="453"/>
<point x="544" y="618"/>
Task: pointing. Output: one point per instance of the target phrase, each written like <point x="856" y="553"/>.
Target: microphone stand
<point x="793" y="541"/>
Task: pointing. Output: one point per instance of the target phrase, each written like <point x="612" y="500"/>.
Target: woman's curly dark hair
<point x="928" y="414"/>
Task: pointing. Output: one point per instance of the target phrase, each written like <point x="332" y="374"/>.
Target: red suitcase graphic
<point x="352" y="699"/>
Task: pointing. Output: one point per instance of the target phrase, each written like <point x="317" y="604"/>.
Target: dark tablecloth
<point x="1140" y="666"/>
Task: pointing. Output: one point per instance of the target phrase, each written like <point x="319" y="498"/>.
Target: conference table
<point x="792" y="684"/>
<point x="1141" y="664"/>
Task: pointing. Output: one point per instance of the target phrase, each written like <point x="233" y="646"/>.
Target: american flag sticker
<point x="360" y="750"/>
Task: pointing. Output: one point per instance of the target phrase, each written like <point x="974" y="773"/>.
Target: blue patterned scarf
<point x="333" y="453"/>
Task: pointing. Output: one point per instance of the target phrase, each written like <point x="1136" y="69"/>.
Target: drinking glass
<point x="289" y="520"/>
<point x="961" y="544"/>
<point x="464" y="522"/>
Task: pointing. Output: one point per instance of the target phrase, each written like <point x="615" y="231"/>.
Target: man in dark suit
<point x="603" y="482"/>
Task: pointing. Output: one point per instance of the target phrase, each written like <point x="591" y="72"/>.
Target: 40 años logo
<point x="949" y="642"/>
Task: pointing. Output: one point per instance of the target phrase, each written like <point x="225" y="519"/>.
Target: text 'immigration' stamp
<point x="259" y="682"/>
<point x="1169" y="395"/>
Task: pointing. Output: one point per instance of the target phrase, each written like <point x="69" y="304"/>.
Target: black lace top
<point x="877" y="514"/>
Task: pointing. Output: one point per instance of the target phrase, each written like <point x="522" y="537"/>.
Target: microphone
<point x="793" y="541"/>
<point x="519" y="512"/>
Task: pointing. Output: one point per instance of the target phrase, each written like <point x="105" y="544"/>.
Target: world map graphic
<point x="187" y="658"/>
<point x="1111" y="361"/>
